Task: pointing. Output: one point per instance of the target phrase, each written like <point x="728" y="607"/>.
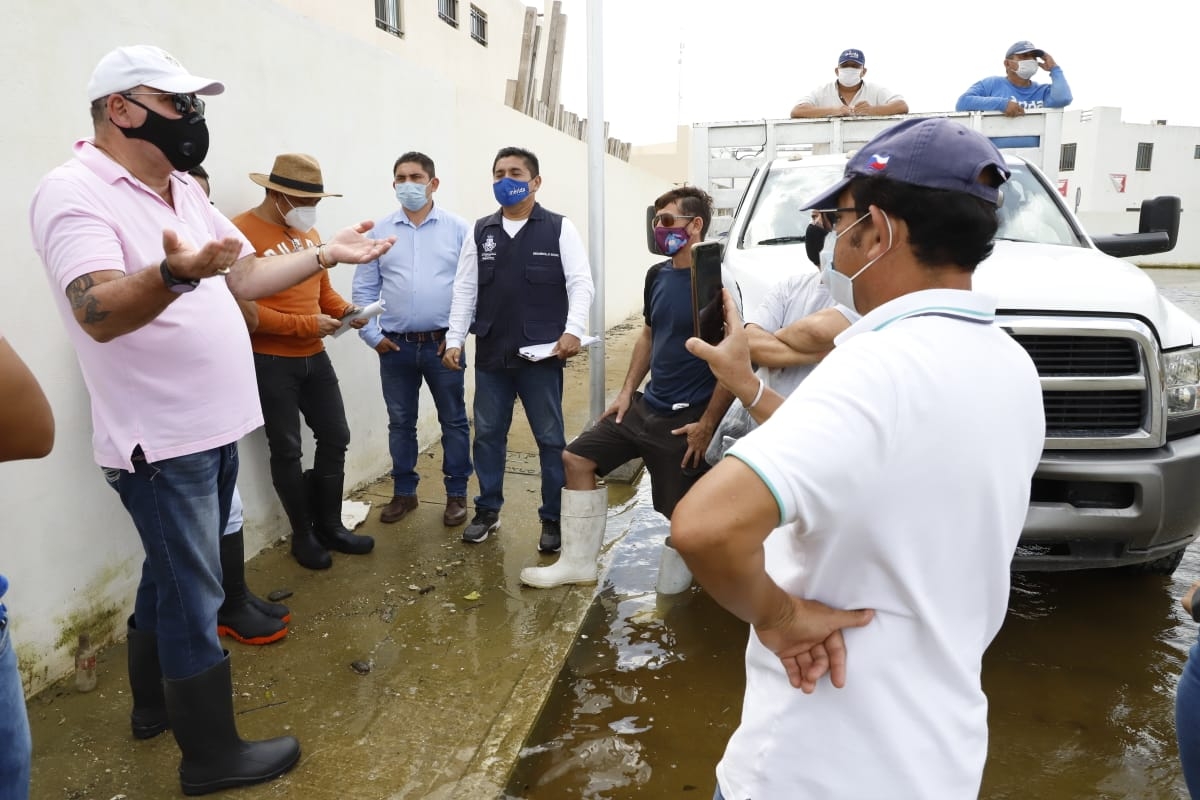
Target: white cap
<point x="146" y="65"/>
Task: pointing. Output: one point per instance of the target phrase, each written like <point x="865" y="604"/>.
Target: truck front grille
<point x="1116" y="413"/>
<point x="1101" y="387"/>
<point x="1080" y="355"/>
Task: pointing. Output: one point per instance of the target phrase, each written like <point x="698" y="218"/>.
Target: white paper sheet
<point x="373" y="310"/>
<point x="540" y="352"/>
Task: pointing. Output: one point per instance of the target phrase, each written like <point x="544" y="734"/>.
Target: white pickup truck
<point x="1119" y="364"/>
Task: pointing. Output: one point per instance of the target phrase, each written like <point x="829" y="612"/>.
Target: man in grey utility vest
<point x="523" y="276"/>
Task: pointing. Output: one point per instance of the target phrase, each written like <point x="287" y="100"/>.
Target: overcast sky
<point x="752" y="59"/>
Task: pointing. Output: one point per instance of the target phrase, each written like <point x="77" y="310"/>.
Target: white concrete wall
<point x="1108" y="146"/>
<point x="69" y="549"/>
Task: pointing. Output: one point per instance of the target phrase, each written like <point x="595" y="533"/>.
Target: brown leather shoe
<point x="400" y="506"/>
<point x="456" y="511"/>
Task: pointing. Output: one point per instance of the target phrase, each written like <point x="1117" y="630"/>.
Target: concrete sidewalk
<point x="413" y="672"/>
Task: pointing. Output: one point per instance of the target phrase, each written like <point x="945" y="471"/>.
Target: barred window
<point x="479" y="25"/>
<point x="387" y="17"/>
<point x="1145" y="153"/>
<point x="1066" y="158"/>
<point x="448" y="11"/>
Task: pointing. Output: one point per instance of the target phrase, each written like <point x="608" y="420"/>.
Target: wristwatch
<point x="176" y="285"/>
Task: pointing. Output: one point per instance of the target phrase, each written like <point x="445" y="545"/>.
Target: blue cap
<point x="852" y="55"/>
<point x="934" y="153"/>
<point x="1022" y="47"/>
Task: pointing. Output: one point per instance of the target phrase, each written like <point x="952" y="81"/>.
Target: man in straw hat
<point x="294" y="371"/>
<point x="145" y="271"/>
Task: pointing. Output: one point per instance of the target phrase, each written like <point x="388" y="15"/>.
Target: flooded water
<point x="1080" y="680"/>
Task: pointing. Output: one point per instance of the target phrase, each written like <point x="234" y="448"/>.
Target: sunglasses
<point x="834" y="215"/>
<point x="184" y="103"/>
<point x="668" y="220"/>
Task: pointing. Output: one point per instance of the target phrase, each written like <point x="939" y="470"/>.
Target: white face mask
<point x="1027" y="69"/>
<point x="841" y="286"/>
<point x="849" y="76"/>
<point x="300" y="218"/>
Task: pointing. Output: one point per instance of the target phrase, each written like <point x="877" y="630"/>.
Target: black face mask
<point x="183" y="141"/>
<point x="814" y="240"/>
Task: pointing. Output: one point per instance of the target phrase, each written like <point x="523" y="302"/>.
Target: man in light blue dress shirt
<point x="415" y="280"/>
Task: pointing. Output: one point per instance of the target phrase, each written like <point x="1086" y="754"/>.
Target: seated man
<point x="670" y="425"/>
<point x="849" y="95"/>
<point x="1015" y="91"/>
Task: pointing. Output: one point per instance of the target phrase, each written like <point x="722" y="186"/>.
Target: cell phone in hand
<point x="708" y="313"/>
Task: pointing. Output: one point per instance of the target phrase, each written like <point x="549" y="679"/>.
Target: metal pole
<point x="596" y="147"/>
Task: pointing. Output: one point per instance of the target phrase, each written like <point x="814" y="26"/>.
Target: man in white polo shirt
<point x="894" y="481"/>
<point x="850" y="95"/>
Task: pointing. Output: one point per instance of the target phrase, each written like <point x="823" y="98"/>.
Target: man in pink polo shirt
<point x="145" y="272"/>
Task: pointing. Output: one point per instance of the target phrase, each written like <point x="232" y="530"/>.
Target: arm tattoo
<point x="80" y="296"/>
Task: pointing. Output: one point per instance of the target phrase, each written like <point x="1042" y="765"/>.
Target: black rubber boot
<point x="149" y="717"/>
<point x="307" y="550"/>
<point x="326" y="494"/>
<point x="238" y="616"/>
<point x="214" y="756"/>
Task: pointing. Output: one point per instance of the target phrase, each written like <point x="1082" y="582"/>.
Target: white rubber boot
<point x="582" y="522"/>
<point x="673" y="574"/>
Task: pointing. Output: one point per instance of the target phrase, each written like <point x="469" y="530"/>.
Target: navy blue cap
<point x="935" y="153"/>
<point x="1022" y="47"/>
<point x="852" y="55"/>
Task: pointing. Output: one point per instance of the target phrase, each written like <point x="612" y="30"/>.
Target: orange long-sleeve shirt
<point x="287" y="321"/>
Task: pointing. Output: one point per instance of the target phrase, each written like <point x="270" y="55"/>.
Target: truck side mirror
<point x="1161" y="214"/>
<point x="1158" y="230"/>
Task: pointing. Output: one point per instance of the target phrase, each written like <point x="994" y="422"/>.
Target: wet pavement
<point x="1081" y="681"/>
<point x="454" y="657"/>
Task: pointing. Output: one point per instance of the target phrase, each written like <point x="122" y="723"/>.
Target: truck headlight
<point x="1182" y="370"/>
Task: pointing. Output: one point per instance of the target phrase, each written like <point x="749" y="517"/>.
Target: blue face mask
<point x="509" y="192"/>
<point x="411" y="195"/>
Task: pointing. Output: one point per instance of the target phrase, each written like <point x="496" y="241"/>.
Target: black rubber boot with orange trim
<point x="239" y="616"/>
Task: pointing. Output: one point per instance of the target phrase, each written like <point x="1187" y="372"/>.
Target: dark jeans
<point x="540" y="387"/>
<point x="401" y="372"/>
<point x="1187" y="720"/>
<point x="288" y="387"/>
<point x="180" y="507"/>
<point x="15" y="747"/>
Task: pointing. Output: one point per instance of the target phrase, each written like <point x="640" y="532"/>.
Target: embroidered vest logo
<point x="489" y="249"/>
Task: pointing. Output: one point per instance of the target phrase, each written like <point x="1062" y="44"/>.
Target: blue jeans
<point x="289" y="386"/>
<point x="15" y="746"/>
<point x="1187" y="720"/>
<point x="540" y="387"/>
<point x="180" y="507"/>
<point x="401" y="372"/>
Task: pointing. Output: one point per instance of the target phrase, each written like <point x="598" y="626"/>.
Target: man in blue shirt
<point x="416" y="282"/>
<point x="1015" y="92"/>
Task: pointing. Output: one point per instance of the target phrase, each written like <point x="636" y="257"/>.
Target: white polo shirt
<point x="826" y="95"/>
<point x="902" y="469"/>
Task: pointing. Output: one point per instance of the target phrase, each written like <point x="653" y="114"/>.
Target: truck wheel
<point x="1160" y="566"/>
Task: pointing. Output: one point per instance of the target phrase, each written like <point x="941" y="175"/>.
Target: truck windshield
<point x="1029" y="213"/>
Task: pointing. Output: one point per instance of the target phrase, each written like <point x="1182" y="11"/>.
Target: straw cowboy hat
<point x="294" y="174"/>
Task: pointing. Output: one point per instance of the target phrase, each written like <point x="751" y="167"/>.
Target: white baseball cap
<point x="146" y="65"/>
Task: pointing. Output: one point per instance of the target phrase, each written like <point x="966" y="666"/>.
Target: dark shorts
<point x="645" y="433"/>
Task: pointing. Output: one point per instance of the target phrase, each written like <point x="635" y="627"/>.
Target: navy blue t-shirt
<point x="676" y="376"/>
